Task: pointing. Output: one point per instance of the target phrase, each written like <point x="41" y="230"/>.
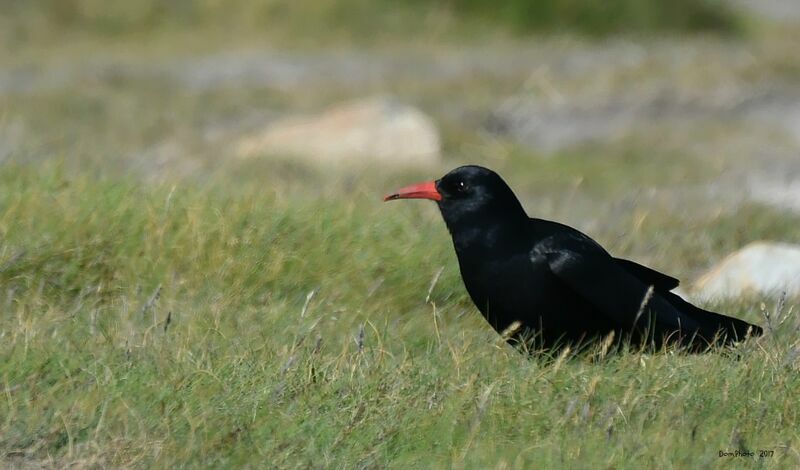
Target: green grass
<point x="363" y="20"/>
<point x="601" y="18"/>
<point x="226" y="367"/>
<point x="158" y="313"/>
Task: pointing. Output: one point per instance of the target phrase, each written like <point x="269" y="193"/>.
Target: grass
<point x="363" y="19"/>
<point x="193" y="310"/>
<point x="172" y="326"/>
<point x="604" y="18"/>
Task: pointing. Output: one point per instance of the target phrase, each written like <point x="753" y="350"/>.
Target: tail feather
<point x="714" y="325"/>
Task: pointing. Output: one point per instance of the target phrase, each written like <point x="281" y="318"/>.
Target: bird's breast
<point x="507" y="289"/>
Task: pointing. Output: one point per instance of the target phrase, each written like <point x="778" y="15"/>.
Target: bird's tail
<point x="715" y="327"/>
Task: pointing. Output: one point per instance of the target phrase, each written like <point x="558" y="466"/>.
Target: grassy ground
<point x="165" y="304"/>
<point x="364" y="19"/>
<point x="174" y="325"/>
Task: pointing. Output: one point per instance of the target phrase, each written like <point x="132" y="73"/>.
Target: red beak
<point x="425" y="190"/>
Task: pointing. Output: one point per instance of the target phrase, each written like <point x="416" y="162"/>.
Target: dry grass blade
<point x="646" y="300"/>
<point x="306" y="304"/>
<point x="433" y="284"/>
<point x="606" y="344"/>
<point x="151" y="302"/>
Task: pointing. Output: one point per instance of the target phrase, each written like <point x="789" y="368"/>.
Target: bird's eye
<point x="461" y="186"/>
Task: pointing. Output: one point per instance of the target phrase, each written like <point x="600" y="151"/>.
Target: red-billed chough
<point x="547" y="283"/>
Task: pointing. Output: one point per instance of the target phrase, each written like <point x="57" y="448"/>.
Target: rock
<point x="374" y="130"/>
<point x="782" y="193"/>
<point x="760" y="268"/>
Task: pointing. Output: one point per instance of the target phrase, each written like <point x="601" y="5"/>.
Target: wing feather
<point x="622" y="296"/>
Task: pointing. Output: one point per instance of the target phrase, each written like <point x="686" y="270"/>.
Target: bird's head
<point x="467" y="193"/>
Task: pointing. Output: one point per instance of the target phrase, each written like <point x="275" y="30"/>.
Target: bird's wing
<point x="594" y="275"/>
<point x="652" y="277"/>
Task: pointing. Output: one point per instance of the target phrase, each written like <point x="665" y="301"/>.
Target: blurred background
<point x="197" y="268"/>
<point x="619" y="116"/>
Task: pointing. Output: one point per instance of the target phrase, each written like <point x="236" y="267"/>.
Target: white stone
<point x="374" y="130"/>
<point x="760" y="268"/>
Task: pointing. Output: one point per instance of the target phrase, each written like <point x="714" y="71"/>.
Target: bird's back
<point x="508" y="285"/>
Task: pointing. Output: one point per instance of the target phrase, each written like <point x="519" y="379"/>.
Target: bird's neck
<point x="492" y="236"/>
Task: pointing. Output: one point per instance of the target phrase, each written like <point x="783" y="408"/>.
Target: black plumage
<point x="557" y="285"/>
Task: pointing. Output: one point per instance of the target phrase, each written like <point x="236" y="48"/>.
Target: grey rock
<point x="760" y="268"/>
<point x="373" y="130"/>
<point x="781" y="192"/>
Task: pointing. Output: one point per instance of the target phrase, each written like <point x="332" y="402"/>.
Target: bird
<point x="545" y="286"/>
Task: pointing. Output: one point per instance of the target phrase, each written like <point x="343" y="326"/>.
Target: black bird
<point x="546" y="285"/>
